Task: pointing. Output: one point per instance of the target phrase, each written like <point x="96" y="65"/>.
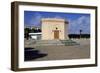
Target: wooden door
<point x="56" y="34"/>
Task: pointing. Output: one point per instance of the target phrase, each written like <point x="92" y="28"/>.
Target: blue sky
<point x="76" y="21"/>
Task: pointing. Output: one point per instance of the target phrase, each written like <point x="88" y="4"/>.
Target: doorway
<point x="56" y="34"/>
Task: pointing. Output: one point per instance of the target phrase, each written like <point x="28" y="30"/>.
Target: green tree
<point x="26" y="34"/>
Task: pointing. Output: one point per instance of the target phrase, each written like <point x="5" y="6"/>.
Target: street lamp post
<point x="80" y="33"/>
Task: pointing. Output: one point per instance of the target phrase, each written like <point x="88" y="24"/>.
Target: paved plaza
<point x="57" y="52"/>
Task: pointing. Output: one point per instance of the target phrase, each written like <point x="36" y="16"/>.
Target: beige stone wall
<point x="66" y="31"/>
<point x="48" y="27"/>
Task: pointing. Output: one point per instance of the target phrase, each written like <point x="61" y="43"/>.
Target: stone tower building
<point x="54" y="28"/>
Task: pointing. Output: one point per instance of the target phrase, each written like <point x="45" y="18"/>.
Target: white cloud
<point x="59" y="17"/>
<point x="82" y="23"/>
<point x="36" y="19"/>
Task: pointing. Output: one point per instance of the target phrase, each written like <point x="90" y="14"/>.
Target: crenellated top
<point x="53" y="19"/>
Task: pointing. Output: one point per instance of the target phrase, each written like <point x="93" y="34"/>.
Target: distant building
<point x="53" y="28"/>
<point x="33" y="32"/>
<point x="36" y="36"/>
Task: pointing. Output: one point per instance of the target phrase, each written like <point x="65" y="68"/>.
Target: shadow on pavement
<point x="32" y="53"/>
